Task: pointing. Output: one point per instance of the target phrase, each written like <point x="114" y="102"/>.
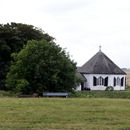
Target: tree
<point x="12" y="39"/>
<point x="41" y="66"/>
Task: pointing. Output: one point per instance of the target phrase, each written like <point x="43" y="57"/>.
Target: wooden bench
<point x="55" y="94"/>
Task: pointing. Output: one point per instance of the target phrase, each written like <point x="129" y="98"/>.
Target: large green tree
<point x="41" y="66"/>
<point x="13" y="37"/>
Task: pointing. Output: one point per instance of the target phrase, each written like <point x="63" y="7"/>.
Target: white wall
<point x="89" y="83"/>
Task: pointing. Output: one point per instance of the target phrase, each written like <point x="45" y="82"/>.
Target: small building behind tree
<point x="100" y="73"/>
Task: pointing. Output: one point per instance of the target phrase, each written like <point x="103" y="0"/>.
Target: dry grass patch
<point x="127" y="77"/>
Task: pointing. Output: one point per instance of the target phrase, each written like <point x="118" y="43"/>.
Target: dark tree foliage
<point x="13" y="37"/>
<point x="41" y="66"/>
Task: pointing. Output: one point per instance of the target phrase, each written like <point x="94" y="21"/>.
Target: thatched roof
<point x="80" y="77"/>
<point x="100" y="64"/>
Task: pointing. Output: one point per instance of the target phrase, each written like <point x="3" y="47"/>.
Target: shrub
<point x="109" y="88"/>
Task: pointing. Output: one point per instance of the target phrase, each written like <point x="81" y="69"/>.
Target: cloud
<point x="59" y="7"/>
<point x="78" y="25"/>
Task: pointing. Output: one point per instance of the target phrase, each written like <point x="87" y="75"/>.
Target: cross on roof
<point x="100" y="48"/>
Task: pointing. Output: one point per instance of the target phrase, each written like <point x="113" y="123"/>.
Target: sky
<point x="79" y="26"/>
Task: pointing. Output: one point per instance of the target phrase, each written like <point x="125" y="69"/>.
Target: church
<point x="99" y="73"/>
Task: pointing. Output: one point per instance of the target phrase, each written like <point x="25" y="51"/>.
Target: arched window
<point x="118" y="81"/>
<point x="106" y="81"/>
<point x="122" y="81"/>
<point x="100" y="81"/>
<point x="94" y="81"/>
<point x="114" y="81"/>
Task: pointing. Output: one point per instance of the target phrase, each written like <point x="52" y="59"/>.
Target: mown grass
<point x="64" y="114"/>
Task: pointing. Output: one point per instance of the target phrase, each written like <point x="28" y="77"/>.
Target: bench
<point x="55" y="94"/>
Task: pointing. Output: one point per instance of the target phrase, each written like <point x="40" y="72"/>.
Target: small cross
<point x="100" y="48"/>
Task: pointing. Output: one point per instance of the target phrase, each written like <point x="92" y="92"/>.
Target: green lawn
<point x="64" y="114"/>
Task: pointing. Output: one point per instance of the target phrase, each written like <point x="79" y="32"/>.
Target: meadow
<point x="64" y="114"/>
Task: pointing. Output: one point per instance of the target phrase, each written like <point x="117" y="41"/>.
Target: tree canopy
<point x="41" y="66"/>
<point x="13" y="37"/>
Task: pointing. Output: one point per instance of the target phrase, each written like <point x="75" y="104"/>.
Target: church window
<point x="100" y="81"/>
<point x="94" y="81"/>
<point x="106" y="81"/>
<point x="122" y="81"/>
<point x="114" y="81"/>
<point x="118" y="81"/>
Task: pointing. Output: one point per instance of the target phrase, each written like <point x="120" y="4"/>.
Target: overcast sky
<point x="80" y="26"/>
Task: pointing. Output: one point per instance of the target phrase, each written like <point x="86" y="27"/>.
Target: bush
<point x="22" y="86"/>
<point x="41" y="66"/>
<point x="109" y="88"/>
<point x="7" y="94"/>
<point x="101" y="94"/>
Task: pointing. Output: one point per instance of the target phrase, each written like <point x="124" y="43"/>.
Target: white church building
<point x="100" y="73"/>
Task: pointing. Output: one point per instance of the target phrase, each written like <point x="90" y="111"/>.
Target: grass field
<point x="64" y="114"/>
